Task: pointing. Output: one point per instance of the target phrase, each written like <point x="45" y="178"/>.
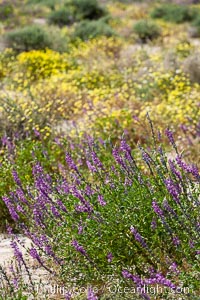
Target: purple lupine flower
<point x="138" y="237"/>
<point x="37" y="169"/>
<point x="68" y="296"/>
<point x="55" y="211"/>
<point x="118" y="158"/>
<point x="176" y="241"/>
<point x="88" y="191"/>
<point x="168" y="208"/>
<point x="174" y="268"/>
<point x="159" y="279"/>
<point x="146" y="157"/>
<point x="96" y="160"/>
<point x="11" y="208"/>
<point x="197" y="252"/>
<point x="36" y="132"/>
<point x="20" y="209"/>
<point x="78" y="248"/>
<point x="91" y="167"/>
<point x="101" y="200"/>
<point x="173" y="188"/>
<point x="70" y="162"/>
<point x="109" y="257"/>
<point x="157" y="209"/>
<point x="80" y="229"/>
<point x="170" y="136"/>
<point x="191" y="244"/>
<point x="17" y="252"/>
<point x="76" y="193"/>
<point x="82" y="208"/>
<point x="16" y="177"/>
<point x="188" y="168"/>
<point x="91" y="295"/>
<point x="138" y="281"/>
<point x="174" y="170"/>
<point x="153" y="224"/>
<point x="128" y="182"/>
<point x="20" y="194"/>
<point x="61" y="205"/>
<point x="33" y="252"/>
<point x="126" y="149"/>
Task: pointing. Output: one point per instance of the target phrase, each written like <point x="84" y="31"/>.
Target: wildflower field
<point x="100" y="149"/>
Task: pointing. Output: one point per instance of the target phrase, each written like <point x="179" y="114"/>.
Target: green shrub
<point x="146" y="30"/>
<point x="6" y="10"/>
<point x="28" y="38"/>
<point x="196" y="24"/>
<point x="49" y="3"/>
<point x="61" y="17"/>
<point x="174" y="13"/>
<point x="88" y="9"/>
<point x="91" y="29"/>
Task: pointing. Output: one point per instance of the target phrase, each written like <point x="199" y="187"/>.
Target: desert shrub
<point x="196" y="26"/>
<point x="147" y="30"/>
<point x="174" y="13"/>
<point x="88" y="9"/>
<point x="94" y="209"/>
<point x="61" y="17"/>
<point x="6" y="10"/>
<point x="91" y="29"/>
<point x="192" y="67"/>
<point x="49" y="3"/>
<point x="28" y="38"/>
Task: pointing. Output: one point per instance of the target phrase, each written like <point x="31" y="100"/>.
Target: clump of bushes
<point x="6" y="10"/>
<point x="174" y="13"/>
<point x="88" y="9"/>
<point x="196" y="25"/>
<point x="61" y="17"/>
<point x="91" y="29"/>
<point x="28" y="38"/>
<point x="147" y="30"/>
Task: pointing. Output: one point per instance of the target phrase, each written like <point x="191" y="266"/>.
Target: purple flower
<point x="138" y="237"/>
<point x="88" y="191"/>
<point x="118" y="158"/>
<point x="68" y="296"/>
<point x="157" y="209"/>
<point x="80" y="229"/>
<point x="174" y="268"/>
<point x="17" y="252"/>
<point x="109" y="257"/>
<point x="16" y="177"/>
<point x="191" y="244"/>
<point x="170" y="136"/>
<point x="96" y="160"/>
<point x="11" y="208"/>
<point x="153" y="224"/>
<point x="70" y="162"/>
<point x="176" y="241"/>
<point x="173" y="188"/>
<point x="126" y="149"/>
<point x="55" y="211"/>
<point x="82" y="208"/>
<point x="101" y="200"/>
<point x="91" y="167"/>
<point x="91" y="295"/>
<point x="78" y="248"/>
<point x="188" y="168"/>
<point x="174" y="170"/>
<point x="146" y="157"/>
